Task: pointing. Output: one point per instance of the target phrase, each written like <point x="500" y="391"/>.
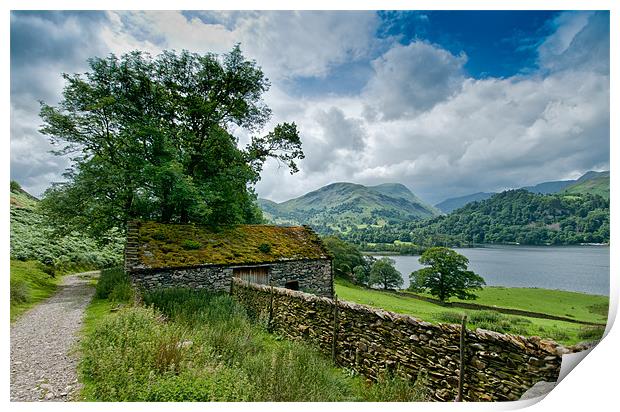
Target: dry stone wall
<point x="374" y="342"/>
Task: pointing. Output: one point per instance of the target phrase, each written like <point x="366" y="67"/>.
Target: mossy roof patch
<point x="177" y="245"/>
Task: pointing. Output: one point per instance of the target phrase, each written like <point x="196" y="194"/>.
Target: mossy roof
<point x="161" y="245"/>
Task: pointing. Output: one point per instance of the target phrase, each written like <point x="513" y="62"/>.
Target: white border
<point x="591" y="386"/>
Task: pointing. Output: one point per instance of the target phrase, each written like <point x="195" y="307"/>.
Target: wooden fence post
<point x="459" y="397"/>
<point x="335" y="329"/>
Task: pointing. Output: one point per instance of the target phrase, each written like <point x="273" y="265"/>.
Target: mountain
<point x="454" y="203"/>
<point x="547" y="188"/>
<point x="344" y="206"/>
<point x="596" y="183"/>
<point x="599" y="185"/>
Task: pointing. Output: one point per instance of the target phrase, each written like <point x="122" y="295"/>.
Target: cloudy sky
<point x="447" y="103"/>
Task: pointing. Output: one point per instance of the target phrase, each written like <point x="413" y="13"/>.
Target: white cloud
<point x="411" y="79"/>
<point x="287" y="44"/>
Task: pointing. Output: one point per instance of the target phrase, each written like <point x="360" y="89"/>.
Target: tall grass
<point x="191" y="345"/>
<point x="114" y="284"/>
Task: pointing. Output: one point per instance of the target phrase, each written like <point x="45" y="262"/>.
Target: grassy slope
<point x="29" y="286"/>
<point x="564" y="332"/>
<point x="596" y="186"/>
<point x="580" y="306"/>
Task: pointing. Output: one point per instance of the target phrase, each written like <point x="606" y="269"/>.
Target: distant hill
<point x="547" y="188"/>
<point x="513" y="216"/>
<point x="595" y="187"/>
<point x="343" y="206"/>
<point x="596" y="183"/>
<point x="454" y="203"/>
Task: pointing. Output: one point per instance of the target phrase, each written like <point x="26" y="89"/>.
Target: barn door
<point x="256" y="274"/>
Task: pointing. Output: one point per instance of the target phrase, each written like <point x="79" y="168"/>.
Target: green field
<point x="587" y="308"/>
<point x="29" y="286"/>
<point x="574" y="305"/>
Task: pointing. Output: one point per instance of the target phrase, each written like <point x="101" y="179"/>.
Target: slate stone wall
<point x="314" y="276"/>
<point x="372" y="341"/>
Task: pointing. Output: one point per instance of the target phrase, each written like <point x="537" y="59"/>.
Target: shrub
<point x="394" y="388"/>
<point x="498" y="322"/>
<point x="220" y="384"/>
<point x="111" y="280"/>
<point x="591" y="333"/>
<point x="20" y="293"/>
<point x="189" y="244"/>
<point x="450" y="317"/>
<point x="264" y="247"/>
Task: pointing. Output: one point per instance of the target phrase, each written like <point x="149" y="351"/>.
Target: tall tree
<point x="154" y="138"/>
<point x="385" y="274"/>
<point x="446" y="275"/>
<point x="346" y="256"/>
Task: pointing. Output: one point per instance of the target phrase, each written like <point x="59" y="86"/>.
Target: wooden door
<point x="253" y="274"/>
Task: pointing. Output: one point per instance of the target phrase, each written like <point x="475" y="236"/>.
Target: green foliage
<point x="152" y="141"/>
<point x="446" y="276"/>
<point x="490" y="320"/>
<point x="114" y="284"/>
<point x="393" y="388"/>
<point x="514" y="216"/>
<point x="15" y="186"/>
<point x="189" y="244"/>
<point x="192" y="345"/>
<point x="384" y="273"/>
<point x="19" y="291"/>
<point x="591" y="333"/>
<point x="345" y="256"/>
<point x="361" y="275"/>
<point x="264" y="247"/>
<point x="32" y="238"/>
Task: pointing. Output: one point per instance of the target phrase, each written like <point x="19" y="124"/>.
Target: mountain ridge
<point x="452" y="203"/>
<point x="342" y="206"/>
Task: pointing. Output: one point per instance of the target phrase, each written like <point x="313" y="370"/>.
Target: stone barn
<point x="166" y="255"/>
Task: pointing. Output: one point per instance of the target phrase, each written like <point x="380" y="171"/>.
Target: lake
<point x="572" y="268"/>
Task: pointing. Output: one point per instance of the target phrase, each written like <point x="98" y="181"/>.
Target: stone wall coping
<point x="530" y="345"/>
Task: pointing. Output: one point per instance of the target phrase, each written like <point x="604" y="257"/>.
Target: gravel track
<point x="43" y="343"/>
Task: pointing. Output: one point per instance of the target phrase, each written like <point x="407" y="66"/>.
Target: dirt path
<point x="43" y="366"/>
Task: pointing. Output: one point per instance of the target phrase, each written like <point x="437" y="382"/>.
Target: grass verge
<point x="562" y="332"/>
<point x="189" y="345"/>
<point x="29" y="286"/>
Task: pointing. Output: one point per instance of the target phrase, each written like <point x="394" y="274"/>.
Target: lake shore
<point x="570" y="268"/>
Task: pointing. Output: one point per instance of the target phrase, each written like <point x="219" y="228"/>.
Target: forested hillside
<point x="515" y="216"/>
<point x="33" y="239"/>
